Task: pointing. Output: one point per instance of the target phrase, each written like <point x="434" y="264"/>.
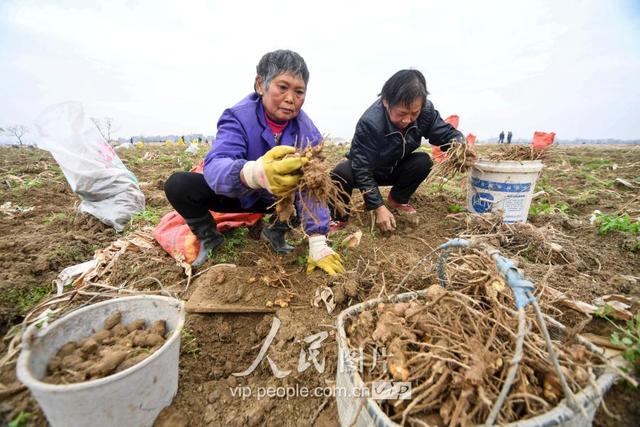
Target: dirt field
<point x="39" y="242"/>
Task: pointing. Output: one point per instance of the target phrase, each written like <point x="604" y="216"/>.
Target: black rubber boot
<point x="210" y="238"/>
<point x="274" y="235"/>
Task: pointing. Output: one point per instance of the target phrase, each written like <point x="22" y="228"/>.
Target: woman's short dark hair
<point x="281" y="61"/>
<point x="404" y="87"/>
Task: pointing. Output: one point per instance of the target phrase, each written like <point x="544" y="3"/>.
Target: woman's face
<point x="283" y="99"/>
<point x="402" y="115"/>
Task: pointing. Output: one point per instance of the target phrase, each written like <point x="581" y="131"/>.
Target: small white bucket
<point x="507" y="185"/>
<point x="133" y="397"/>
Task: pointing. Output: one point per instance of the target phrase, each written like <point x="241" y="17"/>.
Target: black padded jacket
<point x="378" y="146"/>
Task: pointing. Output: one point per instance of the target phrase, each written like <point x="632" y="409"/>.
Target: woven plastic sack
<point x="542" y="140"/>
<point x="175" y="237"/>
<point x="471" y="139"/>
<point x="109" y="191"/>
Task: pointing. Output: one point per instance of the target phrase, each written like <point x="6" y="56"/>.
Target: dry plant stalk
<point x="456" y="346"/>
<point x="270" y="272"/>
<point x="314" y="188"/>
<point x="454" y="162"/>
<point x="518" y="153"/>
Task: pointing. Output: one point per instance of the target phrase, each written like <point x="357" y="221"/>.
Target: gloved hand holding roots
<point x="277" y="171"/>
<point x="315" y="182"/>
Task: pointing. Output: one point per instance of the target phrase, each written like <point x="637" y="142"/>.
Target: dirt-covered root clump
<point x="455" y="346"/>
<point x="518" y="153"/>
<point x="314" y="188"/>
<point x="112" y="349"/>
<point x="545" y="245"/>
<point x="454" y="163"/>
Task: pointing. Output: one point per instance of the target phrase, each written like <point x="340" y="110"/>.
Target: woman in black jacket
<point x="382" y="149"/>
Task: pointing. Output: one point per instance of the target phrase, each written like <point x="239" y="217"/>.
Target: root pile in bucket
<point x="517" y="152"/>
<point x="456" y="346"/>
<point x="109" y="350"/>
<point x="315" y="187"/>
<point x="454" y="162"/>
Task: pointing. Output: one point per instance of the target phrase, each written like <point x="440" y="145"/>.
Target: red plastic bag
<point x="453" y="120"/>
<point x="175" y="237"/>
<point x="199" y="168"/>
<point x="437" y="154"/>
<point x="542" y="140"/>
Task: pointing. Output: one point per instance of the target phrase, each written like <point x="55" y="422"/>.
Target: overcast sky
<point x="164" y="67"/>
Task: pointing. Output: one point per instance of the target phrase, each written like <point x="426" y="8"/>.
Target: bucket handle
<point x="520" y="286"/>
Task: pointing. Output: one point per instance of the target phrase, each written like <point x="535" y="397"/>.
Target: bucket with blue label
<point x="503" y="185"/>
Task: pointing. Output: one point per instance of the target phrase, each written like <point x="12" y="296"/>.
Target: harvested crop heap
<point x="456" y="346"/>
<point x="112" y="349"/>
<point x="518" y="152"/>
<point x="315" y="187"/>
<point x="539" y="244"/>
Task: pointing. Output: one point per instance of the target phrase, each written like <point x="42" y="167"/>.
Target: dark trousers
<point x="405" y="179"/>
<point x="191" y="197"/>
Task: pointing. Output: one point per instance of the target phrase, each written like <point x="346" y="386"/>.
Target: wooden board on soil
<point x="225" y="288"/>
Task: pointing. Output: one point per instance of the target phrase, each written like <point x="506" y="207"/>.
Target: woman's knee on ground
<point x="177" y="187"/>
<point x="420" y="164"/>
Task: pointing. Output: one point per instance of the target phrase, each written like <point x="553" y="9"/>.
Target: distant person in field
<point x="509" y="135"/>
<point x="501" y="138"/>
<point x="246" y="168"/>
<point x="383" y="149"/>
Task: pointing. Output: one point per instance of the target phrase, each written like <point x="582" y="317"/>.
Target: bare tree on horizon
<point x="104" y="126"/>
<point x="17" y="131"/>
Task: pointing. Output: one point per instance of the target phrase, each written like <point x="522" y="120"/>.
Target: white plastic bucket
<point x="133" y="397"/>
<point x="507" y="185"/>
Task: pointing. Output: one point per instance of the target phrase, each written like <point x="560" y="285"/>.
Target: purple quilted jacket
<point x="243" y="134"/>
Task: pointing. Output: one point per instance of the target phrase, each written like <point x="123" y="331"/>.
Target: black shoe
<point x="210" y="238"/>
<point x="274" y="235"/>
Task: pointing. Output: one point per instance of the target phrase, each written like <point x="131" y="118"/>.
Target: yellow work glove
<point x="273" y="172"/>
<point x="322" y="256"/>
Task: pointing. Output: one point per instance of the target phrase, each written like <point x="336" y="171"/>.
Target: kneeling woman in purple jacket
<point x="246" y="166"/>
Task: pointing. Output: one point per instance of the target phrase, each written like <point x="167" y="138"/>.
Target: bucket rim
<point x="33" y="333"/>
<point x="510" y="162"/>
<point x="512" y="166"/>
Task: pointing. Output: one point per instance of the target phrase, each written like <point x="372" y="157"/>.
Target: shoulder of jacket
<point x="247" y="104"/>
<point x="429" y="108"/>
<point x="373" y="118"/>
<point x="427" y="114"/>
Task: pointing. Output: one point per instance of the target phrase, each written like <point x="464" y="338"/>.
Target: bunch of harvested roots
<point x="456" y="347"/>
<point x="455" y="161"/>
<point x="545" y="244"/>
<point x="314" y="188"/>
<point x="518" y="152"/>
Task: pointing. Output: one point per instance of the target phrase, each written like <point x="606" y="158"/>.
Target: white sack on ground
<point x="109" y="191"/>
<point x="192" y="148"/>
